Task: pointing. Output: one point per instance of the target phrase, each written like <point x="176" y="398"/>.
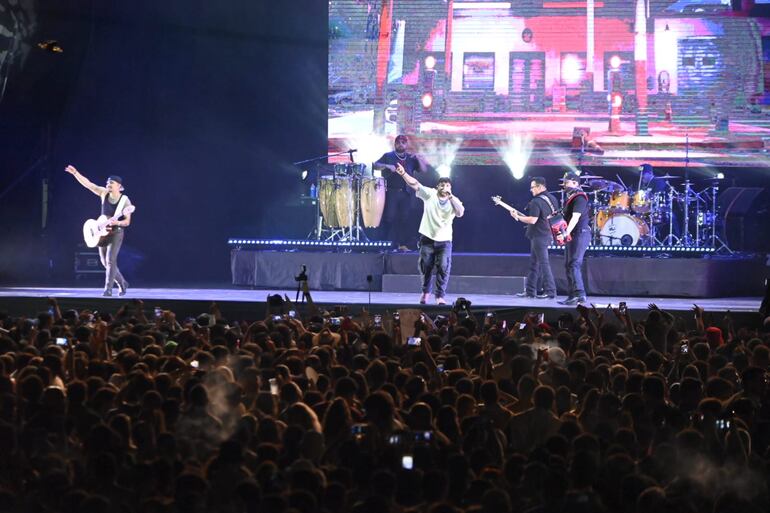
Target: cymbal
<point x="605" y="185"/>
<point x="590" y="177"/>
<point x="667" y="177"/>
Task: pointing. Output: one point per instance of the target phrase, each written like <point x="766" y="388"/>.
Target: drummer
<point x="399" y="223"/>
<point x="647" y="180"/>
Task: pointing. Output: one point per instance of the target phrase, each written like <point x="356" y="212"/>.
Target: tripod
<point x="302" y="286"/>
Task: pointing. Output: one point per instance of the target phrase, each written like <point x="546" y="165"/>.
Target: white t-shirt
<point x="437" y="215"/>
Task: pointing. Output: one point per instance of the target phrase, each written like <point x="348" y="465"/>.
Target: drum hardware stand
<point x="714" y="237"/>
<point x="670" y="239"/>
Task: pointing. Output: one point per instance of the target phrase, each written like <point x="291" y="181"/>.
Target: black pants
<point x="401" y="220"/>
<point x="438" y="256"/>
<point x="540" y="275"/>
<point x="575" y="251"/>
<point x="108" y="254"/>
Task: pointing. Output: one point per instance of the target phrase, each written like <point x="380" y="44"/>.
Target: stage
<point x="615" y="275"/>
<point x="240" y="303"/>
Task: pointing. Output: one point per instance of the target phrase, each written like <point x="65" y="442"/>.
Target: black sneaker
<point x="122" y="288"/>
<point x="573" y="300"/>
<point x="525" y="294"/>
<point x="107" y="293"/>
<point x="545" y="296"/>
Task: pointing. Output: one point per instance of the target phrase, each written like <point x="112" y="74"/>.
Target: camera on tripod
<point x="302" y="276"/>
<point x="462" y="307"/>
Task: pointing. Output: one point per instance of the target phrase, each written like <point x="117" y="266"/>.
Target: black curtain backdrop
<point x="200" y="106"/>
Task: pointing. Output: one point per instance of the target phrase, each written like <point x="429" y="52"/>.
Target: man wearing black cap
<point x="399" y="200"/>
<point x="113" y="200"/>
<point x="576" y="216"/>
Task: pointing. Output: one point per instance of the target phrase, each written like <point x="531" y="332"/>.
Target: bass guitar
<point x="95" y="231"/>
<point x="555" y="221"/>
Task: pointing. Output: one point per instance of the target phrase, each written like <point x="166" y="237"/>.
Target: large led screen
<point x="608" y="82"/>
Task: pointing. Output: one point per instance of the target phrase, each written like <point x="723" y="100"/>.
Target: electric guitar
<point x="96" y="230"/>
<point x="555" y="221"/>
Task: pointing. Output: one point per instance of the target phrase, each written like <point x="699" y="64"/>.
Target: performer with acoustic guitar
<point x="540" y="209"/>
<point x="117" y="207"/>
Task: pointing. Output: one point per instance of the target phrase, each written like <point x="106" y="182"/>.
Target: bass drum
<point x="372" y="201"/>
<point x="623" y="230"/>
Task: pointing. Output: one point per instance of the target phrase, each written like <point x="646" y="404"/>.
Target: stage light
<point x="515" y="153"/>
<point x="430" y="62"/>
<point x="720" y="176"/>
<point x="427" y="100"/>
<point x="570" y="69"/>
<point x="441" y="153"/>
<point x="617" y="100"/>
<point x="51" y="45"/>
<point x="444" y="170"/>
<point x="615" y="62"/>
<point x="303" y="175"/>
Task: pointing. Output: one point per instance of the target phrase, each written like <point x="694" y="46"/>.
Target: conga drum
<point x="345" y="200"/>
<point x="326" y="200"/>
<point x="372" y="201"/>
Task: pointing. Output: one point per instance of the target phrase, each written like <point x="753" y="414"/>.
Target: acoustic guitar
<point x="95" y="231"/>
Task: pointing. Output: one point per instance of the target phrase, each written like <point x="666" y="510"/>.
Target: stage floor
<point x="87" y="297"/>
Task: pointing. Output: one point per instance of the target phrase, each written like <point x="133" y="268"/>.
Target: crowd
<point x="591" y="412"/>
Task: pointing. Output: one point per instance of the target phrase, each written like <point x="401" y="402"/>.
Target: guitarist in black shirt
<point x="576" y="216"/>
<point x="112" y="198"/>
<point x="542" y="206"/>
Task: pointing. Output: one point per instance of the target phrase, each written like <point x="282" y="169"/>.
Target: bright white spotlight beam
<point x="515" y="152"/>
<point x="441" y="154"/>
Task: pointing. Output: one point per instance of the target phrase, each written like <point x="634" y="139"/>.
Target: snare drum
<point x="623" y="230"/>
<point x="372" y="201"/>
<point x="619" y="201"/>
<point x="602" y="215"/>
<point x="642" y="203"/>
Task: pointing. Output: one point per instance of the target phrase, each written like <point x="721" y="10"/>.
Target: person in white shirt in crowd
<point x="440" y="207"/>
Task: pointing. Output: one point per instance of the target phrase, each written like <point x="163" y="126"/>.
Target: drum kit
<point x="347" y="196"/>
<point x="665" y="212"/>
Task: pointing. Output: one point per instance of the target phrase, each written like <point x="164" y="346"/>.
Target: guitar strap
<point x="120" y="206"/>
<point x="550" y="204"/>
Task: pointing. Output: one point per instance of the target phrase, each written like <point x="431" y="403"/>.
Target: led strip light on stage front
<point x="644" y="249"/>
<point x="295" y="243"/>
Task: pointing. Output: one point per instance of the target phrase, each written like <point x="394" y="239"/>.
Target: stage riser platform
<point x="503" y="285"/>
<point x="603" y="275"/>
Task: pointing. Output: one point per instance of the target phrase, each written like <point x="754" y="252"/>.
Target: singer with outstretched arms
<point x="114" y="204"/>
<point x="576" y="216"/>
<point x="440" y="207"/>
<point x="400" y="206"/>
